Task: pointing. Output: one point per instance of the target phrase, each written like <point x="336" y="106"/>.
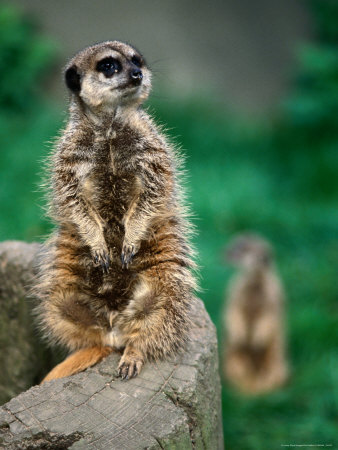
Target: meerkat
<point x="254" y="351"/>
<point x="118" y="271"/>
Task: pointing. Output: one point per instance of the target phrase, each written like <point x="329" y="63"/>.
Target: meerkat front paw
<point x="130" y="366"/>
<point x="128" y="253"/>
<point x="102" y="259"/>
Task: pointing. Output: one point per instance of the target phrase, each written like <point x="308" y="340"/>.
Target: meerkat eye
<point x="136" y="60"/>
<point x="109" y="66"/>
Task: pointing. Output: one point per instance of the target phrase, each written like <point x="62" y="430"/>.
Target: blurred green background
<point x="275" y="174"/>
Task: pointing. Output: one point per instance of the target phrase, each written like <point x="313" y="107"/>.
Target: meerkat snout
<point x="136" y="76"/>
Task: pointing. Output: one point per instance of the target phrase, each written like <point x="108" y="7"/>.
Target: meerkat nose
<point x="136" y="76"/>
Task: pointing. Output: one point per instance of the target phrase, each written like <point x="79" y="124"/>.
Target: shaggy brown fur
<point x="117" y="270"/>
<point x="254" y="355"/>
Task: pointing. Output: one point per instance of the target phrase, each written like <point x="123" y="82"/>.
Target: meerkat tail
<point x="77" y="362"/>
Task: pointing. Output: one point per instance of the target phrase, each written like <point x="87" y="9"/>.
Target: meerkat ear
<point x="72" y="78"/>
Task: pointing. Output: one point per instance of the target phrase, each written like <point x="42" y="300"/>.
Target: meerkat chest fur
<point x="113" y="179"/>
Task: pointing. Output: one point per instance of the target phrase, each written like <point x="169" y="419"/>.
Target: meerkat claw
<point x="129" y="370"/>
<point x="102" y="259"/>
<point x="123" y="372"/>
<point x="106" y="265"/>
<point x="128" y="253"/>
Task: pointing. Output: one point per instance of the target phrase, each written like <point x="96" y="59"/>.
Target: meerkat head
<point x="108" y="75"/>
<point x="248" y="251"/>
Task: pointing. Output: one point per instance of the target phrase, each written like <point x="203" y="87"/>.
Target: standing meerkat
<point x="116" y="272"/>
<point x="254" y="352"/>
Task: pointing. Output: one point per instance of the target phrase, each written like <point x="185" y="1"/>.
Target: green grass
<point x="240" y="177"/>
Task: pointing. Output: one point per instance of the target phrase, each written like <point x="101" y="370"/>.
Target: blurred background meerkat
<point x="254" y="352"/>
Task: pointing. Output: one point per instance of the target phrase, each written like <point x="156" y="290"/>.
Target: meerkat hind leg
<point x="78" y="361"/>
<point x="155" y="321"/>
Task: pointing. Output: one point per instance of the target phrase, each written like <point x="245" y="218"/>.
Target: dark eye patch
<point x="136" y="60"/>
<point x="109" y="66"/>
